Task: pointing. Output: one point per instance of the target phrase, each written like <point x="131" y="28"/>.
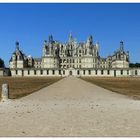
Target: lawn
<point x="129" y="86"/>
<point x="22" y="86"/>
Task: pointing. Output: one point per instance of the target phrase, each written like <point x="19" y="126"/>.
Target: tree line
<point x="134" y="65"/>
<point x="1" y="63"/>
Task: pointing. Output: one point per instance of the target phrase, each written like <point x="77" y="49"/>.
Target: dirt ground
<point x="22" y="86"/>
<point x="129" y="86"/>
<point x="71" y="107"/>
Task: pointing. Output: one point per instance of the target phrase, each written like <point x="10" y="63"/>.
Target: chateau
<point x="71" y="58"/>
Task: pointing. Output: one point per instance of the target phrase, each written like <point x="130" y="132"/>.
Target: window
<point x="47" y="72"/>
<point x="102" y="72"/>
<point x="34" y="72"/>
<point x="127" y="72"/>
<point x="63" y="72"/>
<point x="22" y="72"/>
<point x="136" y="72"/>
<point x="89" y="72"/>
<point x="28" y="72"/>
<point x="16" y="72"/>
<point x="78" y="72"/>
<point x="121" y="72"/>
<point x="84" y="72"/>
<point x="53" y="72"/>
<point x="41" y="72"/>
<point x="59" y="72"/>
<point x="114" y="73"/>
<point x="108" y="72"/>
<point x="96" y="72"/>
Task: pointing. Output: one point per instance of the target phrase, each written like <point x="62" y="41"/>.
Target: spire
<point x="70" y="38"/>
<point x="17" y="45"/>
<point x="121" y="45"/>
<point x="50" y="38"/>
<point x="45" y="43"/>
<point x="90" y="40"/>
<point x="97" y="45"/>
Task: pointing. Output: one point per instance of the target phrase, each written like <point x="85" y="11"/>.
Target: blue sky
<point x="30" y="24"/>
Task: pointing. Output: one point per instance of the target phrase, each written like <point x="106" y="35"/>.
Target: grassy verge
<point x="127" y="85"/>
<point x="22" y="86"/>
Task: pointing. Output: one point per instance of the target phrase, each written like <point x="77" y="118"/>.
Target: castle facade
<point x="71" y="58"/>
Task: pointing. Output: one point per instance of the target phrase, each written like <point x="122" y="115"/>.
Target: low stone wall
<point x="76" y="72"/>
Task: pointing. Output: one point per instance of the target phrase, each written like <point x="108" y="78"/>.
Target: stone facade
<point x="71" y="58"/>
<point x="77" y="72"/>
<point x="5" y="72"/>
<point x="1" y="72"/>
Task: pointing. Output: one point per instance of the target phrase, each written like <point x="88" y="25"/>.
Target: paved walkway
<point x="71" y="107"/>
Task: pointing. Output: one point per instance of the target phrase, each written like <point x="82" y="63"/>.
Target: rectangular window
<point x="102" y="72"/>
<point x="108" y="72"/>
<point x="114" y="73"/>
<point x="89" y="72"/>
<point x="28" y="72"/>
<point x="41" y="72"/>
<point x="127" y="72"/>
<point x="84" y="72"/>
<point x="136" y="72"/>
<point x="121" y="72"/>
<point x="78" y="72"/>
<point x="96" y="72"/>
<point x="63" y="72"/>
<point x="47" y="72"/>
<point x="59" y="72"/>
<point x="22" y="73"/>
<point x="53" y="72"/>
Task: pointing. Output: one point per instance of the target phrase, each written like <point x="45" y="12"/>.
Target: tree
<point x="134" y="65"/>
<point x="1" y="63"/>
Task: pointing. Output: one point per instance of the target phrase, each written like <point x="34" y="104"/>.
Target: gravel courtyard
<point x="71" y="107"/>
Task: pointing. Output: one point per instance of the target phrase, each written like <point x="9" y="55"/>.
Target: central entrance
<point x="70" y="73"/>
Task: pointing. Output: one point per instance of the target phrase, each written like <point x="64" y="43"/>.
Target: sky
<point x="31" y="24"/>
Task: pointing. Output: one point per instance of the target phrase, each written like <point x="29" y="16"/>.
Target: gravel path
<point x="71" y="107"/>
